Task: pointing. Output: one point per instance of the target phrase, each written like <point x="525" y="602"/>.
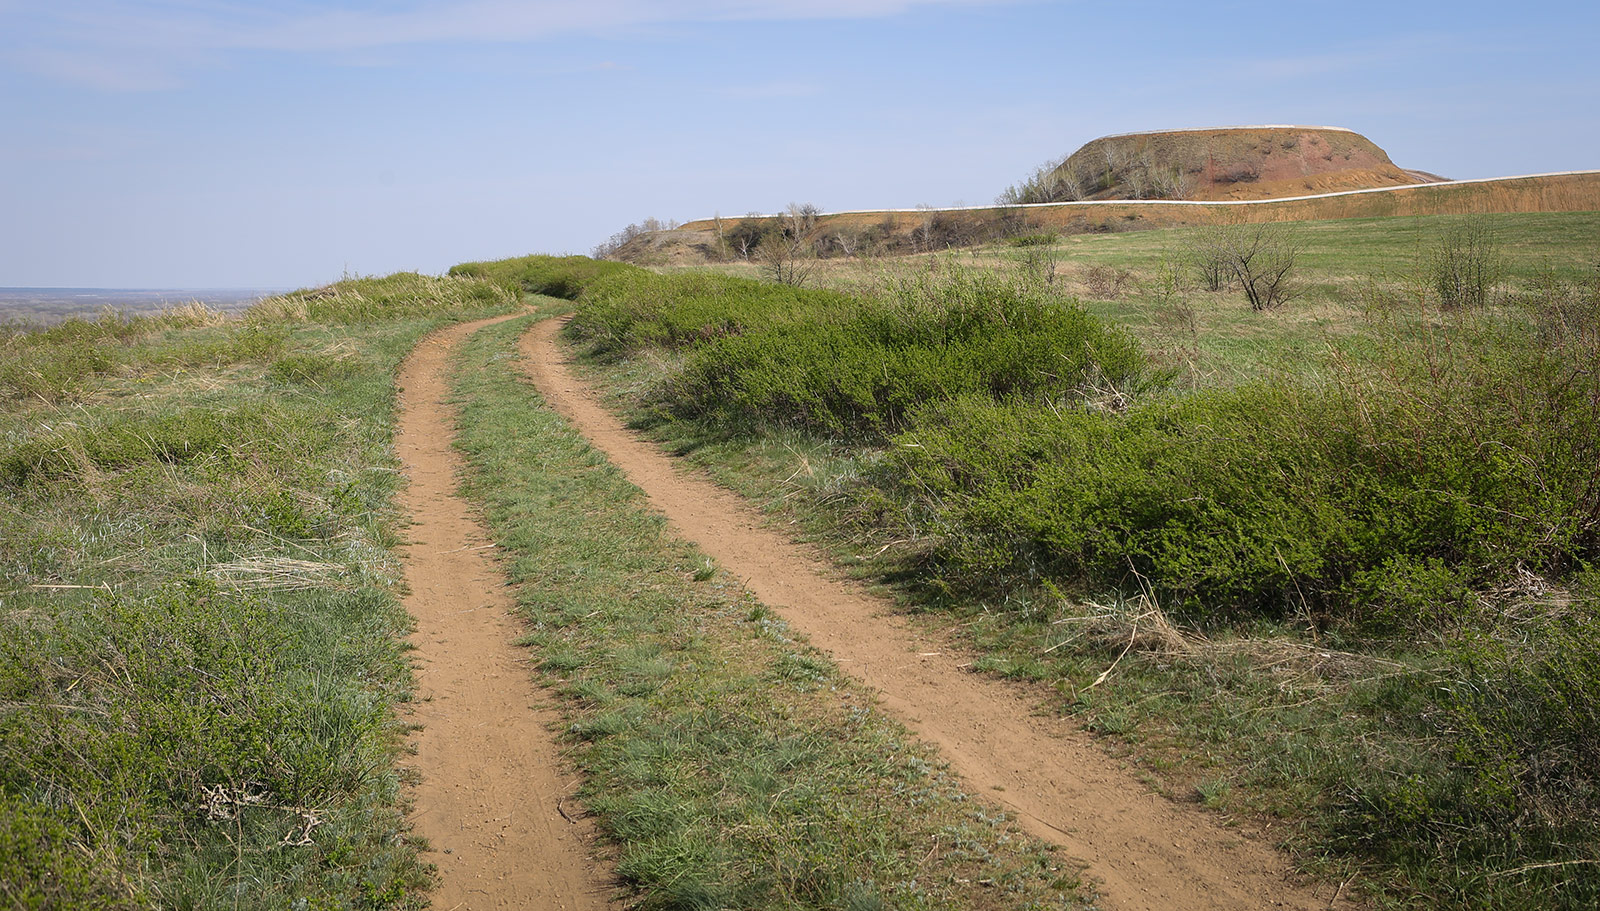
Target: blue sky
<point x="214" y="143"/>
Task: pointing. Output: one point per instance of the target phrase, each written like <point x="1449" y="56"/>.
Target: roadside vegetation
<point x="201" y="651"/>
<point x="1328" y="564"/>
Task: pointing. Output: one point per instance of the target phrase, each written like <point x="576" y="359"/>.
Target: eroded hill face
<point x="1227" y="163"/>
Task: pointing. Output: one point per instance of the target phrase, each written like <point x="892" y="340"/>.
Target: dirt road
<point x="490" y="799"/>
<point x="1147" y="853"/>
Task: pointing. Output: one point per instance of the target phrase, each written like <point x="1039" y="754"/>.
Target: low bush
<point x="1379" y="502"/>
<point x="865" y="373"/>
<point x="634" y="309"/>
<point x="554" y="276"/>
<point x="1034" y="240"/>
<point x="1465" y="266"/>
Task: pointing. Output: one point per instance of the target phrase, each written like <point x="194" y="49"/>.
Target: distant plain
<point x="47" y="306"/>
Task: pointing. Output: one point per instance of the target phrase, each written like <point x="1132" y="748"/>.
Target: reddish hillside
<point x="1261" y="162"/>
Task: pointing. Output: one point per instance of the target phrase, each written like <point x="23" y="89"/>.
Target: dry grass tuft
<point x="280" y="574"/>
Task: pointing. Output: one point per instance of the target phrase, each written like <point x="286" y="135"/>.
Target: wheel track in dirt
<point x="1145" y="852"/>
<point x="490" y="796"/>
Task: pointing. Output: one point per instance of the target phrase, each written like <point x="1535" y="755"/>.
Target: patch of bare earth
<point x="492" y="797"/>
<point x="1147" y="853"/>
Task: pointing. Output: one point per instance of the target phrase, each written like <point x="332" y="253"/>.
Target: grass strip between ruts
<point x="728" y="764"/>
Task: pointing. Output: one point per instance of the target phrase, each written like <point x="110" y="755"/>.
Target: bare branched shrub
<point x="1465" y="268"/>
<point x="1260" y="258"/>
<point x="608" y="247"/>
<point x="786" y="258"/>
<point x="1038" y="263"/>
<point x="1208" y="254"/>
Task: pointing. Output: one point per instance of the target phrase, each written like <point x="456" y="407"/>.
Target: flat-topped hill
<point x="1249" y="162"/>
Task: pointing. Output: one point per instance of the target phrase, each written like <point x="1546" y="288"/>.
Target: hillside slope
<point x="1257" y="162"/>
<point x="902" y="231"/>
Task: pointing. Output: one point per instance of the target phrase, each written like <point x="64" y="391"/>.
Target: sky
<point x="230" y="144"/>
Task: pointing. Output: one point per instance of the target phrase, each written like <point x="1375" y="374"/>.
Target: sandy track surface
<point x="1147" y="853"/>
<point x="490" y="799"/>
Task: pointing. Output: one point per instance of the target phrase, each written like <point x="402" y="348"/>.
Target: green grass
<point x="1410" y="691"/>
<point x="200" y="644"/>
<point x="730" y="764"/>
<point x="557" y="276"/>
<point x="1348" y="271"/>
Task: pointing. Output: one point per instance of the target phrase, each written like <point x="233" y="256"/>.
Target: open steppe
<point x="1035" y="573"/>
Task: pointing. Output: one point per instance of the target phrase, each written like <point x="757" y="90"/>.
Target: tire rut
<point x="492" y="786"/>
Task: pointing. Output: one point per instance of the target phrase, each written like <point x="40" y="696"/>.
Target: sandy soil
<point x="494" y="799"/>
<point x="1147" y="853"/>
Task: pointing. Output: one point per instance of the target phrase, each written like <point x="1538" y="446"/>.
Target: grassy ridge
<point x="200" y="647"/>
<point x="730" y="765"/>
<point x="1388" y="548"/>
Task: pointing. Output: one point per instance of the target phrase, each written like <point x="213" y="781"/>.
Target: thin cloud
<point x="136" y="45"/>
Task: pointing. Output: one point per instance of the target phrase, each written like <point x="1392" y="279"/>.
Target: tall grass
<point x="200" y="646"/>
<point x="59" y="363"/>
<point x="357" y="301"/>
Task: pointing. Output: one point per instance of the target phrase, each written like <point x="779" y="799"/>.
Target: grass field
<point x="202" y="655"/>
<point x="1407" y="693"/>
<point x="1329" y="570"/>
<point x="201" y="651"/>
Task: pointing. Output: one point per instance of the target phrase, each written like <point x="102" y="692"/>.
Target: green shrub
<point x="634" y="309"/>
<point x="555" y="276"/>
<point x="42" y="865"/>
<point x="1034" y="240"/>
<point x="864" y="375"/>
<point x="1379" y="501"/>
